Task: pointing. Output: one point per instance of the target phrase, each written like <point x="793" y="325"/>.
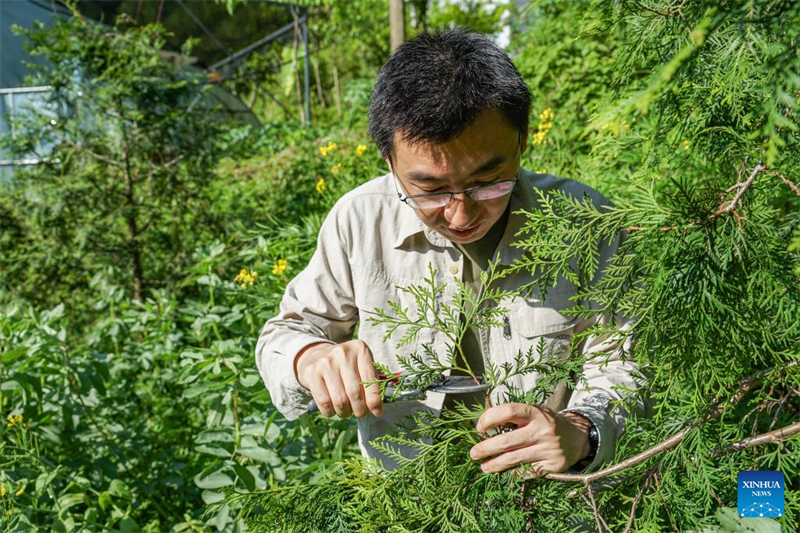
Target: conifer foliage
<point x="698" y="131"/>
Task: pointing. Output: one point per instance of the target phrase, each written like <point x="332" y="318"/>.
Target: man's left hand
<point x="549" y="441"/>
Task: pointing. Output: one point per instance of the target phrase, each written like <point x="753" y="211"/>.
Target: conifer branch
<point x="745" y="385"/>
<point x="728" y="207"/>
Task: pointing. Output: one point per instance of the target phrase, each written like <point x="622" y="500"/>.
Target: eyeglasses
<point x="435" y="200"/>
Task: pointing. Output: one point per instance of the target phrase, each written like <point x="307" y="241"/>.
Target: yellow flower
<point x="19" y="419"/>
<point x="542" y="171"/>
<point x="279" y="267"/>
<point x="245" y="278"/>
<point x="320" y="186"/>
<point x="538" y="137"/>
<point x="2" y="490"/>
<point x="686" y="144"/>
<point x="360" y="149"/>
<point x="330" y="147"/>
<point x="545" y="125"/>
<point x="336" y="168"/>
<point x="20" y="492"/>
<point x="11" y="421"/>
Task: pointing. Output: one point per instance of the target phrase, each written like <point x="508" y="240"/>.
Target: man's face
<point x="486" y="152"/>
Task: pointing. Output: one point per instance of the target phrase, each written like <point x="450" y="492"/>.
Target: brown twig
<point x="765" y="438"/>
<point x="786" y="180"/>
<point x="601" y="524"/>
<point x="627" y="463"/>
<point x="742" y="186"/>
<point x="159" y="168"/>
<point x="645" y="486"/>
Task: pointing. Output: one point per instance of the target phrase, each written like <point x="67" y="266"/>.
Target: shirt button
<point x="454" y="269"/>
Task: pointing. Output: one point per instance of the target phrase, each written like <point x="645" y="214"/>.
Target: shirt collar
<point x="522" y="197"/>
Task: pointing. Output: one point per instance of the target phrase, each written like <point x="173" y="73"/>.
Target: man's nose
<point x="457" y="212"/>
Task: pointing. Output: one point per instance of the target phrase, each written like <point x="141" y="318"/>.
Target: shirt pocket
<point x="530" y="321"/>
<point x="375" y="293"/>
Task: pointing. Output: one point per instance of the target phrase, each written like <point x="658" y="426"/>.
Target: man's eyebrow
<point x="422" y="177"/>
<point x="491" y="164"/>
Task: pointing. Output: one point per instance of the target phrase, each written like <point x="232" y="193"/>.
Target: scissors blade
<point x="459" y="385"/>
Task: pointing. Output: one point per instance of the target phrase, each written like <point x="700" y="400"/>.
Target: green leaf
<point x="13" y="354"/>
<point x="260" y="454"/>
<point x="214" y="481"/>
<point x="104" y="500"/>
<point x="218" y="450"/>
<point x="128" y="525"/>
<point x="730" y="522"/>
<point x="215" y="435"/>
<point x="246" y="476"/>
<point x="210" y="496"/>
<point x="119" y="489"/>
<point x="70" y="500"/>
<point x="44" y="480"/>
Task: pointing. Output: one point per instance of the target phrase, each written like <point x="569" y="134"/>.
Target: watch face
<point x="593" y="441"/>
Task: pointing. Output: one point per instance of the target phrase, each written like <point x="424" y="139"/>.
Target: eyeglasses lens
<point x="493" y="191"/>
<point x="488" y="192"/>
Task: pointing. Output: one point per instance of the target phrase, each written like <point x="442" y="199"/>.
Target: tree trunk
<point x="131" y="212"/>
<point x="397" y="23"/>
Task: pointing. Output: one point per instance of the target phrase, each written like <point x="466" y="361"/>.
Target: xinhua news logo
<point x="761" y="494"/>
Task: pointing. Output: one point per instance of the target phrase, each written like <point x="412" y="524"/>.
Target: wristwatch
<point x="594" y="438"/>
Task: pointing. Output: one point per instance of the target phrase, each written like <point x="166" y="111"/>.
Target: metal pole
<point x="244" y="51"/>
<point x="305" y="68"/>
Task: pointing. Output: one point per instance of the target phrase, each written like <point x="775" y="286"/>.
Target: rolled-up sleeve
<point x="317" y="306"/>
<point x="609" y="373"/>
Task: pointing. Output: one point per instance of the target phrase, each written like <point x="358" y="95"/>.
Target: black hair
<point x="437" y="84"/>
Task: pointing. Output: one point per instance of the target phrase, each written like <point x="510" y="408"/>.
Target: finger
<point x="320" y="394"/>
<point x="501" y="443"/>
<point x="519" y="414"/>
<point x="509" y="459"/>
<point x="336" y="390"/>
<point x="351" y="380"/>
<point x="373" y="392"/>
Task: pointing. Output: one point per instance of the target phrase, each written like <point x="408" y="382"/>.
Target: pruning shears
<point x="445" y="384"/>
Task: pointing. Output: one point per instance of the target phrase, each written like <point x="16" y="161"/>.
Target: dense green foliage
<point x="131" y="410"/>
<point x="707" y="268"/>
<point x="129" y="413"/>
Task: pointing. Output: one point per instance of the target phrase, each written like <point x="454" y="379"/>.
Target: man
<point x="449" y="114"/>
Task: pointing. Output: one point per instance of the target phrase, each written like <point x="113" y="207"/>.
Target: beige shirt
<point x="370" y="244"/>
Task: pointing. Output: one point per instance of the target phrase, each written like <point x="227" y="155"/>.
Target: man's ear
<point x="523" y="142"/>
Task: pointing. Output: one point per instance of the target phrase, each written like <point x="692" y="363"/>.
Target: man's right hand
<point x="334" y="372"/>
